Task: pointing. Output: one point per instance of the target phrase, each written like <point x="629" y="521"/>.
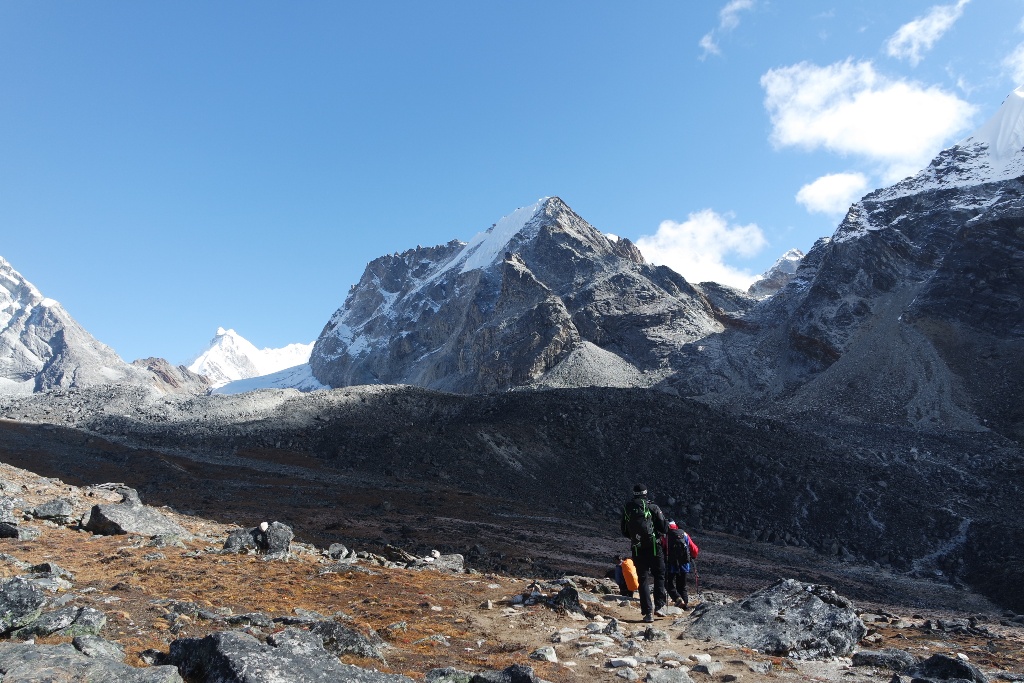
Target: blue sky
<point x="168" y="168"/>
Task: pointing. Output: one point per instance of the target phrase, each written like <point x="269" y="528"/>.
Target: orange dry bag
<point x="629" y="574"/>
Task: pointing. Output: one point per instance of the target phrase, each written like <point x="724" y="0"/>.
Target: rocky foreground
<point x="99" y="586"/>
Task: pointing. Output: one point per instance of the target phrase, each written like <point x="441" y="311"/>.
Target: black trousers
<point x="675" y="582"/>
<point x="647" y="566"/>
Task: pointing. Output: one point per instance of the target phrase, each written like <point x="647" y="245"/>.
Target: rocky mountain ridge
<point x="540" y="289"/>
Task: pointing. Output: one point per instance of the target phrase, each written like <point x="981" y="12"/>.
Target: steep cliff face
<point x="910" y="313"/>
<point x="540" y="288"/>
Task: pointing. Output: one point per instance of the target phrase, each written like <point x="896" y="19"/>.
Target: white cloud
<point x="697" y="248"/>
<point x="918" y="36"/>
<point x="709" y="46"/>
<point x="728" y="19"/>
<point x="729" y="16"/>
<point x="1014" y="63"/>
<point x="832" y="194"/>
<point x="849" y="108"/>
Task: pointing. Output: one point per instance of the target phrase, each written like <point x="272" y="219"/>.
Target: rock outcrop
<point x="789" y="618"/>
<point x="130" y="516"/>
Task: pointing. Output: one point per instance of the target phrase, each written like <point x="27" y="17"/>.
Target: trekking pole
<point x="696" y="579"/>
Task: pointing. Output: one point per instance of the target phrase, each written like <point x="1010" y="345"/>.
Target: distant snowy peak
<point x="776" y="277"/>
<point x="232" y="357"/>
<point x="992" y="153"/>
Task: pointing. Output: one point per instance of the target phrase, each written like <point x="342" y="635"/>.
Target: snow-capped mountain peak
<point x="231" y="357"/>
<point x="994" y="152"/>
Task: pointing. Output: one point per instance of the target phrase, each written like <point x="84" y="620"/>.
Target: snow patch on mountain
<point x="992" y="153"/>
<point x="299" y="377"/>
<point x="232" y="357"/>
<point x="485" y="248"/>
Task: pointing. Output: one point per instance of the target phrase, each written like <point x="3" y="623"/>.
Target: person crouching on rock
<point x="644" y="524"/>
<point x="680" y="551"/>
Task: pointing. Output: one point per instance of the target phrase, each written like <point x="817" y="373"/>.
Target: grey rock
<point x="94" y="646"/>
<point x="668" y="676"/>
<point x="652" y="635"/>
<point x="711" y="668"/>
<point x="7" y="511"/>
<point x="30" y="663"/>
<point x="130" y="516"/>
<point x="291" y="656"/>
<point x="341" y="640"/>
<point x="517" y="673"/>
<point x="337" y="551"/>
<point x="545" y="653"/>
<point x="943" y="668"/>
<point x="21" y="602"/>
<point x="890" y="658"/>
<point x="67" y="621"/>
<point x="274" y="542"/>
<point x="50" y="570"/>
<point x="59" y="510"/>
<point x="788" y="618"/>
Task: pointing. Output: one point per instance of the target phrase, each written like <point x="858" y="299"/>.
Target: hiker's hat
<point x="673" y="525"/>
<point x="640" y="489"/>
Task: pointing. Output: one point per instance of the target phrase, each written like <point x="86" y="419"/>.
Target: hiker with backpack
<point x="680" y="552"/>
<point x="644" y="524"/>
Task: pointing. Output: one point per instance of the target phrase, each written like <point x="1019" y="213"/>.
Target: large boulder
<point x="273" y="539"/>
<point x="293" y="655"/>
<point x="130" y="516"/>
<point x="939" y="668"/>
<point x="21" y="603"/>
<point x="30" y="663"/>
<point x="788" y="618"/>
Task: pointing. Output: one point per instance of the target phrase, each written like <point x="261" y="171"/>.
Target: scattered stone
<point x="545" y="654"/>
<point x="758" y="667"/>
<point x="711" y="668"/>
<point x="890" y="658"/>
<point x="337" y="551"/>
<point x="790" y="618"/>
<point x="652" y="634"/>
<point x="618" y="662"/>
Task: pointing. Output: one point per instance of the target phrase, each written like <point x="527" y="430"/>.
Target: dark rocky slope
<point x="942" y="506"/>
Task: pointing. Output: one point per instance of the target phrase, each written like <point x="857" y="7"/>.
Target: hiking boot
<point x="680" y="603"/>
<point x="648" y="618"/>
